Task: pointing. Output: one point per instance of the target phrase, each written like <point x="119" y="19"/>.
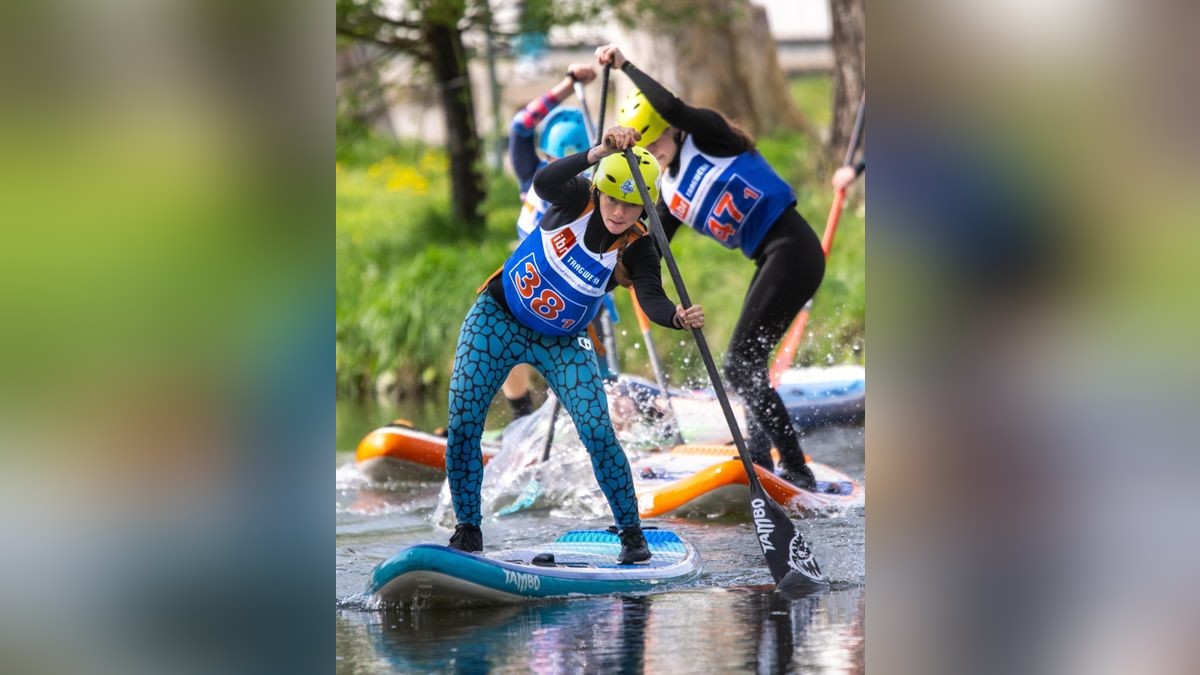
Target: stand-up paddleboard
<point x="820" y="396"/>
<point x="397" y="451"/>
<point x="400" y="451"/>
<point x="710" y="480"/>
<point x="813" y="397"/>
<point x="580" y="562"/>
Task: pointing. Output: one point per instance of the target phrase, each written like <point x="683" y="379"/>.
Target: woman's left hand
<point x="692" y="317"/>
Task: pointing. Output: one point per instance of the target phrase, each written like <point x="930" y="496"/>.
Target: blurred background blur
<point x="165" y="391"/>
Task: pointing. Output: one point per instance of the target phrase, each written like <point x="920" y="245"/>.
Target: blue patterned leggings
<point x="490" y="344"/>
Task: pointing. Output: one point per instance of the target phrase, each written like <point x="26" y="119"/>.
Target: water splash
<point x="349" y="477"/>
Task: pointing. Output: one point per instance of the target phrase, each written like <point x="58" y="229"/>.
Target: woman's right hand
<point x="692" y="317"/>
<point x="843" y="177"/>
<point x="610" y="54"/>
<point x="617" y="139"/>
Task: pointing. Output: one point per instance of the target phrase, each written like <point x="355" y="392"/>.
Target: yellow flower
<point x="405" y="178"/>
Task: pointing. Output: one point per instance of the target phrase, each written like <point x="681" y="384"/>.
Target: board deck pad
<point x="580" y="562"/>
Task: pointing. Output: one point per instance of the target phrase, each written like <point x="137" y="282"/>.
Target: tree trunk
<point x="722" y="57"/>
<point x="849" y="75"/>
<point x="462" y="142"/>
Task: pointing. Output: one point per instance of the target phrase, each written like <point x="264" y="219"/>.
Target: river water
<point x="729" y="620"/>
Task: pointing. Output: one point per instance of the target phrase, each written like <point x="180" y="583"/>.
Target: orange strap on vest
<point x="488" y="280"/>
<point x="597" y="344"/>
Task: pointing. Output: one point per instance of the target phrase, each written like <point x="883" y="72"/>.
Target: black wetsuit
<point x="790" y="266"/>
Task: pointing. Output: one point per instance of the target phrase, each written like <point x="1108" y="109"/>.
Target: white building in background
<point x="802" y="30"/>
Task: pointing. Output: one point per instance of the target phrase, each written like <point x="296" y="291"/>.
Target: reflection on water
<point x="710" y="630"/>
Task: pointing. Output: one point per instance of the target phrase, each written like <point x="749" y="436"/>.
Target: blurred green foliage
<point x="407" y="273"/>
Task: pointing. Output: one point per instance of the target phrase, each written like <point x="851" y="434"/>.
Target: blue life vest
<point x="553" y="284"/>
<point x="734" y="200"/>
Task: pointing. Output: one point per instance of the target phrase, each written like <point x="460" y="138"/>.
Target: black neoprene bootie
<point x="467" y="538"/>
<point x="801" y="477"/>
<point x="634" y="548"/>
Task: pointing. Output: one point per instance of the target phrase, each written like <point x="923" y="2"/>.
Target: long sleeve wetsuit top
<point x="788" y="256"/>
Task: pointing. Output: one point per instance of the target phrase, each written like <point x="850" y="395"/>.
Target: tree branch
<point x="414" y="47"/>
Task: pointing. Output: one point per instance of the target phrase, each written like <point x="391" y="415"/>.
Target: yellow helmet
<point x="637" y="113"/>
<point x="614" y="178"/>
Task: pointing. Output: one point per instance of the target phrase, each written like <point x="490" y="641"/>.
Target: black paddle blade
<point x="790" y="560"/>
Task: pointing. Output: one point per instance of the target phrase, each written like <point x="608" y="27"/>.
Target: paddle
<point x="587" y="114"/>
<point x="603" y="99"/>
<point x="788" y="556"/>
<point x="791" y="341"/>
<point x="550" y="431"/>
<point x="659" y="376"/>
<point x="609" y="334"/>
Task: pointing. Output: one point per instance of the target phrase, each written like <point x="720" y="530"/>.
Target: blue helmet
<point x="564" y="133"/>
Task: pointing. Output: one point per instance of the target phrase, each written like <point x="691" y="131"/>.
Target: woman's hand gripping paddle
<point x="788" y="556"/>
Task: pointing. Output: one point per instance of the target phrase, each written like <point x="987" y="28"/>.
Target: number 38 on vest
<point x="553" y="284"/>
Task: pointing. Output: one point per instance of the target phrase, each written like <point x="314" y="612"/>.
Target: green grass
<point x="407" y="273"/>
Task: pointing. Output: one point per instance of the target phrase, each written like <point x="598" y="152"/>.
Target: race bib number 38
<point x="541" y="299"/>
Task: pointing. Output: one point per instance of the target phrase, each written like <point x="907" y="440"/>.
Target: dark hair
<point x="741" y="133"/>
<point x="744" y="136"/>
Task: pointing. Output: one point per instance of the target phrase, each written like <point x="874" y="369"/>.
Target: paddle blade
<point x="788" y="556"/>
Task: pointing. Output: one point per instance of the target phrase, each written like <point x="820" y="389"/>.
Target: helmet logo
<point x="627" y="186"/>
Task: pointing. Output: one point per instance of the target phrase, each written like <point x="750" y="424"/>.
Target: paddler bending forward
<point x="536" y="308"/>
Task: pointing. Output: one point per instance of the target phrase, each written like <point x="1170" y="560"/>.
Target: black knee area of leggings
<point x="739" y="375"/>
<point x="521" y="406"/>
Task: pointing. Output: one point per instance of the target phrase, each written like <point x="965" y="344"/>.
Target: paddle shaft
<point x="587" y="114"/>
<point x="603" y="100"/>
<point x="550" y="431"/>
<point x="705" y="353"/>
<point x="791" y="341"/>
<point x="857" y="131"/>
<point x="787" y="555"/>
<point x="659" y="375"/>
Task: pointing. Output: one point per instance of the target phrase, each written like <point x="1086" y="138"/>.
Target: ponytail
<point x="742" y="134"/>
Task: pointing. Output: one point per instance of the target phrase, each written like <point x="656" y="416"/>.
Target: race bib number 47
<point x="731" y="208"/>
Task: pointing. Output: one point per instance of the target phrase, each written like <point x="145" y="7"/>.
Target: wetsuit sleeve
<point x="641" y="259"/>
<point x="524" y="160"/>
<point x="521" y="148"/>
<point x="559" y="183"/>
<point x="709" y="129"/>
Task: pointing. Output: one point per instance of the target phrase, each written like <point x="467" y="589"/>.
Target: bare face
<point x="618" y="215"/>
<point x="664" y="148"/>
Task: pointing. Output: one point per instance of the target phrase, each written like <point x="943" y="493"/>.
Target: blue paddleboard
<point x="580" y="562"/>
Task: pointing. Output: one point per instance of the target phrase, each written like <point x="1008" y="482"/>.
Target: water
<point x="730" y="620"/>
